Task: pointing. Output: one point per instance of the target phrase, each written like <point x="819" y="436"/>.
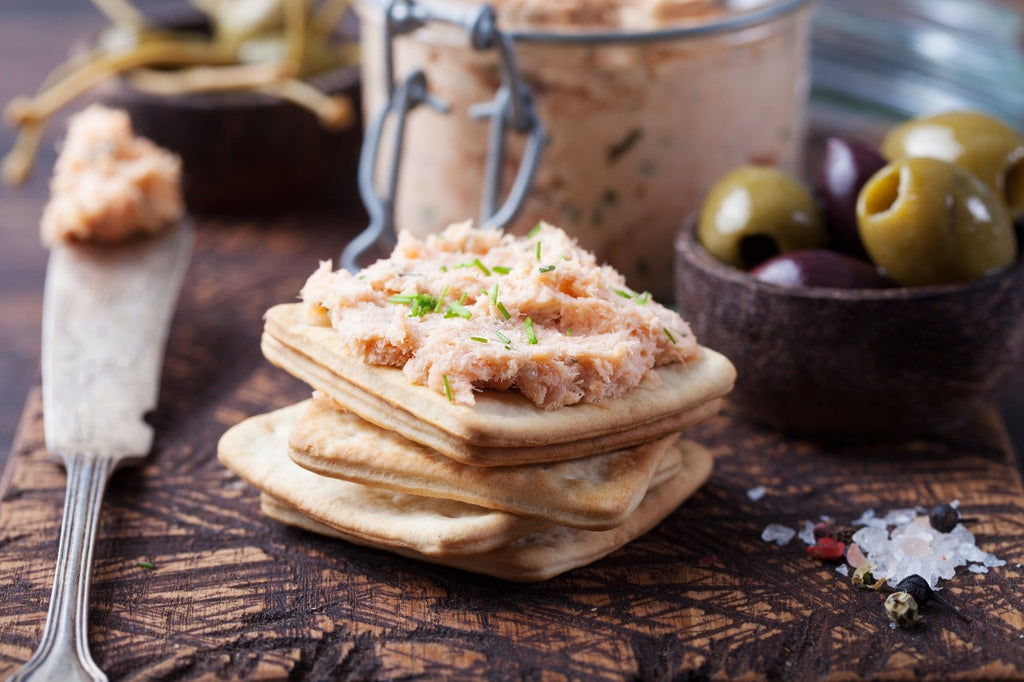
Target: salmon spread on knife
<point x="469" y="309"/>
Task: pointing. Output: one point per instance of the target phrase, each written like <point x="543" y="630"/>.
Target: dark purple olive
<point x="820" y="268"/>
<point x="845" y="166"/>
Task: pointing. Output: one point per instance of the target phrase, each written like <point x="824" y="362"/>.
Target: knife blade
<point x="107" y="312"/>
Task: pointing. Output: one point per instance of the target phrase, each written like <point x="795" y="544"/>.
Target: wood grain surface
<point x="231" y="595"/>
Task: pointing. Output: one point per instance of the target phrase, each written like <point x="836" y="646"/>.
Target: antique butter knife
<point x="106" y="314"/>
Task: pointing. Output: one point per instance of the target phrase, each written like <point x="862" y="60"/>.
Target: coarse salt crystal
<point x="777" y="533"/>
<point x="807" y="533"/>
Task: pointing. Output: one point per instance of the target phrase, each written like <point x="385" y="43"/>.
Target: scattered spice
<point x="918" y="588"/>
<point x="865" y="577"/>
<point x="901" y="608"/>
<point x="827" y="549"/>
<point x="945" y="517"/>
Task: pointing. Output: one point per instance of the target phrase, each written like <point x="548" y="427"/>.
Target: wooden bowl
<point x="897" y="362"/>
<point x="245" y="152"/>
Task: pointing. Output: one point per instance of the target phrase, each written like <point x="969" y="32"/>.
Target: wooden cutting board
<point x="190" y="582"/>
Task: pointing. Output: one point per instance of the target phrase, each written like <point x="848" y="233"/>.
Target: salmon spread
<point x="108" y="184"/>
<point x="469" y="309"/>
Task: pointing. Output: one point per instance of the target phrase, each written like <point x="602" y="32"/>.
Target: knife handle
<point x="63" y="653"/>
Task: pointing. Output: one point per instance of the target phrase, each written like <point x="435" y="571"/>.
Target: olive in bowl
<point x="863" y="362"/>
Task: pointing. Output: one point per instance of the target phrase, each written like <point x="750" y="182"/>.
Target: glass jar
<point x="643" y="113"/>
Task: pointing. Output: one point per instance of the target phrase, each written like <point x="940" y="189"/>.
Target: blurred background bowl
<point x="244" y="152"/>
<point x="896" y="362"/>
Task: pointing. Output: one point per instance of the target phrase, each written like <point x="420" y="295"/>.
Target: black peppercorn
<point x="918" y="588"/>
<point x="944" y="517"/>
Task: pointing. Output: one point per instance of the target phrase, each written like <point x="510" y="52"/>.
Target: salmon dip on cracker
<point x="469" y="309"/>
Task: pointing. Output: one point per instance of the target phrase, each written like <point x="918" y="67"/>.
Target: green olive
<point x="755" y="212"/>
<point x="981" y="143"/>
<point x="926" y="221"/>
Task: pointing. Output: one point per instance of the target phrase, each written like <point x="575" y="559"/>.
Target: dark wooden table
<point x="234" y="596"/>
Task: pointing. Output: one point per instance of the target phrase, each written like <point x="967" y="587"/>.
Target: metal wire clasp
<point x="512" y="109"/>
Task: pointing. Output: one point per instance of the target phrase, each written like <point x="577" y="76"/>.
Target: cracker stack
<point x="499" y="487"/>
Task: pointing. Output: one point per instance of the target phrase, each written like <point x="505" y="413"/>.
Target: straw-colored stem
<point x="295" y="27"/>
<point x="334" y="111"/>
<point x="78" y="81"/>
<point x="205" y="78"/>
<point x="17" y="164"/>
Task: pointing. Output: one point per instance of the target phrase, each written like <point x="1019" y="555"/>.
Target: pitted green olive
<point x="926" y="221"/>
<point x="981" y="143"/>
<point x="755" y="212"/>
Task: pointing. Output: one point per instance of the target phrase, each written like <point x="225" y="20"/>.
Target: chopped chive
<point x="501" y="269"/>
<point x="494" y="294"/>
<point x="533" y="233"/>
<point x="568" y="331"/>
<point x="478" y="338"/>
<point x="421" y="304"/>
<point x="538" y="250"/>
<point x="440" y="299"/>
<point x="444" y="268"/>
<point x="623" y="293"/>
<point x="669" y="334"/>
<point x="462" y="299"/>
<point x="504" y="312"/>
<point x="531" y="337"/>
<point x="146" y="564"/>
<point x="502" y="337"/>
<point x="546" y="268"/>
<point x="475" y="263"/>
<point x="447" y="388"/>
<point x="457" y="310"/>
<point x="643" y="298"/>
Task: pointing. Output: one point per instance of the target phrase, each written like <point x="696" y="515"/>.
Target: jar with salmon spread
<point x="643" y="104"/>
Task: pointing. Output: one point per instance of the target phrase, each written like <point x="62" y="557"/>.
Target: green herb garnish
<point x="502" y="337"/>
<point x="494" y="294"/>
<point x="538" y="250"/>
<point x="478" y="338"/>
<point x="623" y="293"/>
<point x="146" y="564"/>
<point x="504" y="312"/>
<point x="533" y="232"/>
<point x="420" y="304"/>
<point x="447" y="388"/>
<point x="501" y="269"/>
<point x="440" y="299"/>
<point x="531" y="337"/>
<point x="475" y="263"/>
<point x="669" y="334"/>
<point x="546" y="268"/>
<point x="643" y="298"/>
<point x="457" y="310"/>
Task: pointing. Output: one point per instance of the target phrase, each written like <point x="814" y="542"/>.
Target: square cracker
<point x="503" y="427"/>
<point x="256" y="449"/>
<point x="595" y="492"/>
<point x="545" y="553"/>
